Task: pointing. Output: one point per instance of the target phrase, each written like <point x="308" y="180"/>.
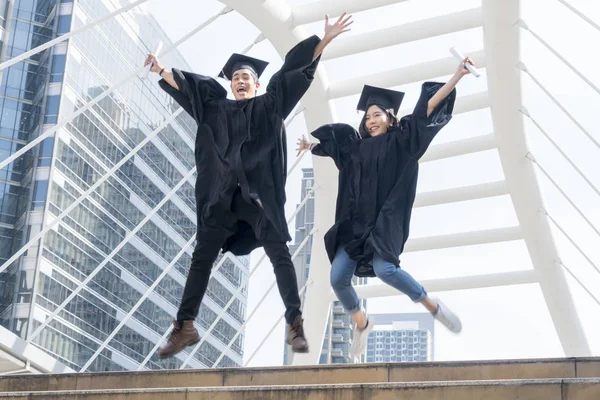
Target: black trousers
<point x="208" y="245"/>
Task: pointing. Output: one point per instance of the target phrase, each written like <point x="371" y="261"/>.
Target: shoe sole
<point x="300" y="351"/>
<point x="296" y="351"/>
<point x="456" y="332"/>
<point x="193" y="343"/>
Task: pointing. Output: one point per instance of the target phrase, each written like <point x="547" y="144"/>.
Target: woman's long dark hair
<point x="364" y="132"/>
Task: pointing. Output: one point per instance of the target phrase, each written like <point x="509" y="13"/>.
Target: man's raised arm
<point x="159" y="69"/>
<point x="288" y="85"/>
<point x="332" y="31"/>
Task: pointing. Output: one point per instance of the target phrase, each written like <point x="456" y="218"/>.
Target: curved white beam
<point x="405" y="33"/>
<point x="273" y="18"/>
<point x="464" y="239"/>
<point x="468" y="103"/>
<point x="451" y="284"/>
<point x="502" y="39"/>
<point x="316" y="10"/>
<point x="459" y="148"/>
<point x="401" y="76"/>
<point x="465" y="193"/>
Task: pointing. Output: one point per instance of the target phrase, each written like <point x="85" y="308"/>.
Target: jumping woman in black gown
<point x="378" y="168"/>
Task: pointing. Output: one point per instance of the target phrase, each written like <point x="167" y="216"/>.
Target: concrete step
<point x="540" y="389"/>
<point x="312" y="375"/>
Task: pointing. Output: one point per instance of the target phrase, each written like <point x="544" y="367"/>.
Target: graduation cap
<point x="385" y="98"/>
<point x="240" y="61"/>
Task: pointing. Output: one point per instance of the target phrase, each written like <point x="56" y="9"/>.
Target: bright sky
<point x="509" y="322"/>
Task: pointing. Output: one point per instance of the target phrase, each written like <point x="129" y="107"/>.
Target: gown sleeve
<point x="334" y="142"/>
<point x="289" y="84"/>
<point x="417" y="129"/>
<point x="196" y="92"/>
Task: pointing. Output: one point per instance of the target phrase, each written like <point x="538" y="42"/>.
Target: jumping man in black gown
<point x="241" y="160"/>
<point x="378" y="170"/>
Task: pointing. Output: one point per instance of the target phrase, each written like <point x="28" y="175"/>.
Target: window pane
<point x="64" y="24"/>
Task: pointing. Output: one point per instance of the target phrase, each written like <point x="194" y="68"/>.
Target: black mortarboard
<point x="240" y="61"/>
<point x="385" y="98"/>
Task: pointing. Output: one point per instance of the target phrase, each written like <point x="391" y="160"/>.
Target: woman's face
<point x="376" y="121"/>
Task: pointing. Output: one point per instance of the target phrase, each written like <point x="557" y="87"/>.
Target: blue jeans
<point x="342" y="271"/>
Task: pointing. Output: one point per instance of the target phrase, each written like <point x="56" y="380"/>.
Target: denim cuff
<point x="421" y="297"/>
<point x="354" y="309"/>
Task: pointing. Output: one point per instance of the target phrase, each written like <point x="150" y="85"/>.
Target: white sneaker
<point x="360" y="338"/>
<point x="447" y="317"/>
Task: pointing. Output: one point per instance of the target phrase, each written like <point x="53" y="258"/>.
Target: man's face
<point x="244" y="84"/>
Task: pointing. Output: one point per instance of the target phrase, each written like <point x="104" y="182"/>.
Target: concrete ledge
<point x="587" y="367"/>
<point x="540" y="389"/>
<point x="312" y="375"/>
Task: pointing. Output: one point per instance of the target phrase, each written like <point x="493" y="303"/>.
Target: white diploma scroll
<point x="149" y="66"/>
<point x="468" y="66"/>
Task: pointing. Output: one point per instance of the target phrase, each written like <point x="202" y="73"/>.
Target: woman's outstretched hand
<point x="303" y="145"/>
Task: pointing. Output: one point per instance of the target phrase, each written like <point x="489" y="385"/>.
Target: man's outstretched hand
<point x="332" y="31"/>
<point x="151" y="59"/>
<point x="303" y="145"/>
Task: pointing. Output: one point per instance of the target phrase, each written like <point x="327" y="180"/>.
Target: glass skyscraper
<point x="46" y="90"/>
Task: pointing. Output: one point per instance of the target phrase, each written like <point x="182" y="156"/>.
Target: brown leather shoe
<point x="181" y="336"/>
<point x="295" y="336"/>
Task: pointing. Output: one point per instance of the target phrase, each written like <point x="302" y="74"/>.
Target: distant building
<point x="401" y="338"/>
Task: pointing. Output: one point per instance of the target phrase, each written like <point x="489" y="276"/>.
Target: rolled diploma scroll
<point x="149" y="66"/>
<point x="461" y="58"/>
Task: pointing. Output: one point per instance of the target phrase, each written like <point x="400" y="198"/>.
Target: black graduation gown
<point x="378" y="181"/>
<point x="244" y="143"/>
